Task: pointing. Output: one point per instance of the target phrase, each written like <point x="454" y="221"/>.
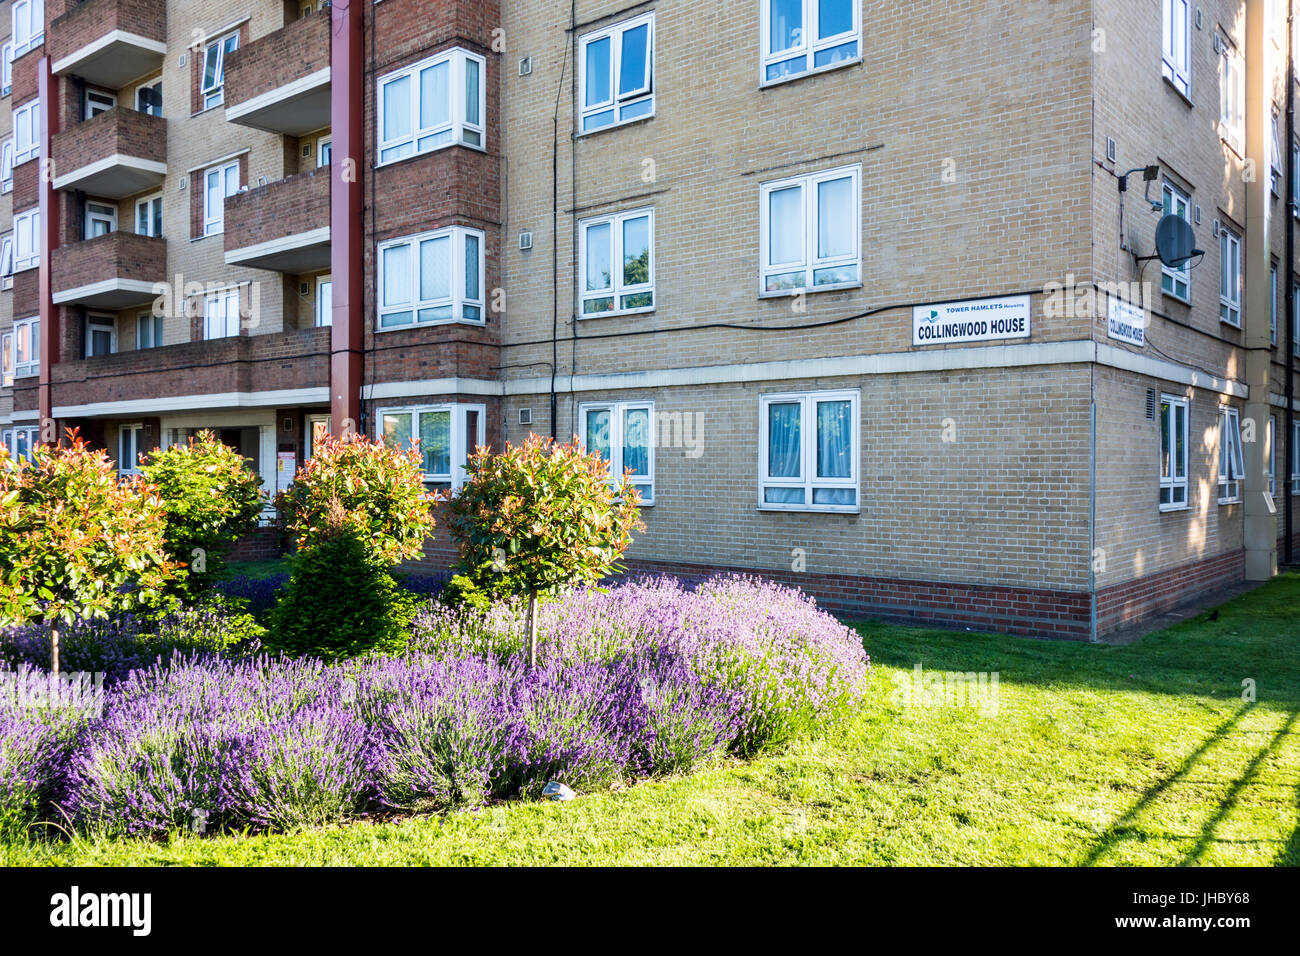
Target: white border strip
<point x="298" y="87"/>
<point x="181" y="403"/>
<point x="299" y="240"/>
<point x="107" y="285"/>
<point x="109" y="39"/>
<point x="107" y="163"/>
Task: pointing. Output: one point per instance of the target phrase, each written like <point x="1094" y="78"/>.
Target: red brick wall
<point x="123" y="255"/>
<point x="119" y="130"/>
<point x="86" y="22"/>
<point x="27" y="293"/>
<point x="26" y="185"/>
<point x="298" y="49"/>
<point x="1142" y="597"/>
<point x="279" y="209"/>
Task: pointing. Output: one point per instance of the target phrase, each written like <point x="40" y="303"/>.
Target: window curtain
<point x="435" y="442"/>
<point x="636" y="440"/>
<point x="784" y="441"/>
<point x="834" y="440"/>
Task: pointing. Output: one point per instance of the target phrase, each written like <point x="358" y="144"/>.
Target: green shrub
<point x="210" y="499"/>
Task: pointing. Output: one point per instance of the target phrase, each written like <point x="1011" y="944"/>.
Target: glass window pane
<point x="597" y="432"/>
<point x="397" y="430"/>
<point x="599" y="257"/>
<point x="397" y="275"/>
<point x="836" y="17"/>
<point x="1180" y="445"/>
<point x="210" y="58"/>
<point x="636" y="251"/>
<point x="636" y="440"/>
<point x="784" y="440"/>
<point x="835" y="218"/>
<point x="397" y="108"/>
<point x="785" y="225"/>
<point x="435" y="95"/>
<point x="435" y="442"/>
<point x="786" y="25"/>
<point x="472" y="92"/>
<point x="598" y="72"/>
<point x="435" y="269"/>
<point x="634" y="65"/>
<point x="834" y="439"/>
<point x="471" y="268"/>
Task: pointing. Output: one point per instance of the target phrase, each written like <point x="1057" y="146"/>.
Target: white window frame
<point x="1172" y="482"/>
<point x="618" y="289"/>
<point x="214" y="92"/>
<point x="464" y="132"/>
<point x="618" y="103"/>
<point x="154" y="323"/>
<point x="1176" y="65"/>
<point x="1295" y="458"/>
<point x="459" y="301"/>
<point x="100" y="322"/>
<point x="218" y="322"/>
<point x="148" y="203"/>
<point x="7" y="68"/>
<point x="1295" y="175"/>
<point x="1270" y="455"/>
<point x="214" y="221"/>
<point x="27" y="131"/>
<point x="32" y="327"/>
<point x="1275" y="154"/>
<point x="1173" y="197"/>
<point x="7" y="359"/>
<point x="107" y="101"/>
<point x="20" y="441"/>
<point x="809" y="264"/>
<point x="1229" y="276"/>
<point x="618" y="443"/>
<point x="129" y="466"/>
<point x="1272" y="305"/>
<point x="7" y="165"/>
<point x="1232" y="96"/>
<point x="1232" y="468"/>
<point x="811" y="16"/>
<point x="147" y="85"/>
<point x="7" y="261"/>
<point x="808" y="481"/>
<point x="324" y="150"/>
<point x="28" y="25"/>
<point x="460" y="446"/>
<point x="100" y="212"/>
<point x="1295" y="319"/>
<point x="27" y="231"/>
<point x="324" y="315"/>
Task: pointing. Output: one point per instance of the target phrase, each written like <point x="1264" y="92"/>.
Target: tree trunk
<point x="54" y="648"/>
<point x="532" y="630"/>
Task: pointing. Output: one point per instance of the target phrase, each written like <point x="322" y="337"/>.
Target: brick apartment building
<point x="850" y="286"/>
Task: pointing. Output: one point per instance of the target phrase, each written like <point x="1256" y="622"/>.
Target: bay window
<point x="27" y="25"/>
<point x="437" y="102"/>
<point x="803" y="36"/>
<point x="444" y="435"/>
<point x="622" y="433"/>
<point x="616" y="263"/>
<point x="808" y="451"/>
<point x="431" y="278"/>
<point x="811" y="232"/>
<point x="1173" y="453"/>
<point x="1231" y="466"/>
<point x="27" y="347"/>
<point x="616" y="74"/>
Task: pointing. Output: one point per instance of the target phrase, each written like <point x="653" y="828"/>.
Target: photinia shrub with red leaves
<point x="75" y="540"/>
<point x="539" y="517"/>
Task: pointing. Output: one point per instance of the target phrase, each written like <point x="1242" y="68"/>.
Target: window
<point x="324" y="150"/>
<point x="97" y="102"/>
<point x="129" y="446"/>
<point x="148" y="216"/>
<point x="27" y="132"/>
<point x="214" y="69"/>
<point x="794" y="30"/>
<point x="101" y="335"/>
<point x="27" y="347"/>
<point x="7" y="261"/>
<point x="811" y="231"/>
<point x="1229" y="277"/>
<point x="148" y="99"/>
<point x="7" y="165"/>
<point x="1295" y="320"/>
<point x="221" y="314"/>
<point x="28" y="25"/>
<point x="616" y="74"/>
<point x="809" y="451"/>
<point x="1176" y="282"/>
<point x="27" y="231"/>
<point x="1272" y="305"/>
<point x="445" y="435"/>
<point x="1295" y="177"/>
<point x="1295" y="458"/>
<point x="100" y="219"/>
<point x="1173" y="453"/>
<point x="218" y="183"/>
<point x="1231" y="467"/>
<point x="1275" y="155"/>
<point x="1232" y="97"/>
<point x="19" y="441"/>
<point x="1270" y="455"/>
<point x="433" y="277"/>
<point x="6" y="69"/>
<point x="431" y="104"/>
<point x="1177" y="65"/>
<point x="324" y="301"/>
<point x="148" y="331"/>
<point x="7" y="357"/>
<point x="616" y="263"/>
<point x="622" y="433"/>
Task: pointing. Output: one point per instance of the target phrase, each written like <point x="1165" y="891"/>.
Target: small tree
<point x="540" y="517"/>
<point x="210" y="497"/>
<point x="75" y="541"/>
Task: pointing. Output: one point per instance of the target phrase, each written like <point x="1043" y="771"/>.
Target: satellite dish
<point x="1175" y="241"/>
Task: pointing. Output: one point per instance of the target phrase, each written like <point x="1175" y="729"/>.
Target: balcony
<point x="109" y="43"/>
<point x="116" y="154"/>
<point x="281" y="83"/>
<point x="115" y="271"/>
<point x="283" y="226"/>
<point x="243" y="371"/>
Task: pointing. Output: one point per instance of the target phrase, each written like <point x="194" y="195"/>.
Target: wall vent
<point x="525" y="241"/>
<point x="525" y="66"/>
<point x="1151" y="404"/>
<point x="525" y="416"/>
<point x="1196" y="214"/>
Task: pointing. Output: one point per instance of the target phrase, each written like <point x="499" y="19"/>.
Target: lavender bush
<point x="34" y="747"/>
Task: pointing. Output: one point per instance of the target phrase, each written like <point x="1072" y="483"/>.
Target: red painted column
<point x="347" y="235"/>
<point x="49" y="241"/>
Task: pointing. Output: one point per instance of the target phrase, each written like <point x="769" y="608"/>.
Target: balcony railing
<point x="115" y="271"/>
<point x="109" y="43"/>
<point x="284" y="225"/>
<point x="115" y="154"/>
<point x="281" y="82"/>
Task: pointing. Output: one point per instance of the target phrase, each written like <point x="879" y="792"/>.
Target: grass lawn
<point x="1097" y="755"/>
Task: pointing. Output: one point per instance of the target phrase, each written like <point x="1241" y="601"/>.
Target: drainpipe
<point x="347" y="236"/>
<point x="49" y="241"/>
<point x="1288" y="433"/>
